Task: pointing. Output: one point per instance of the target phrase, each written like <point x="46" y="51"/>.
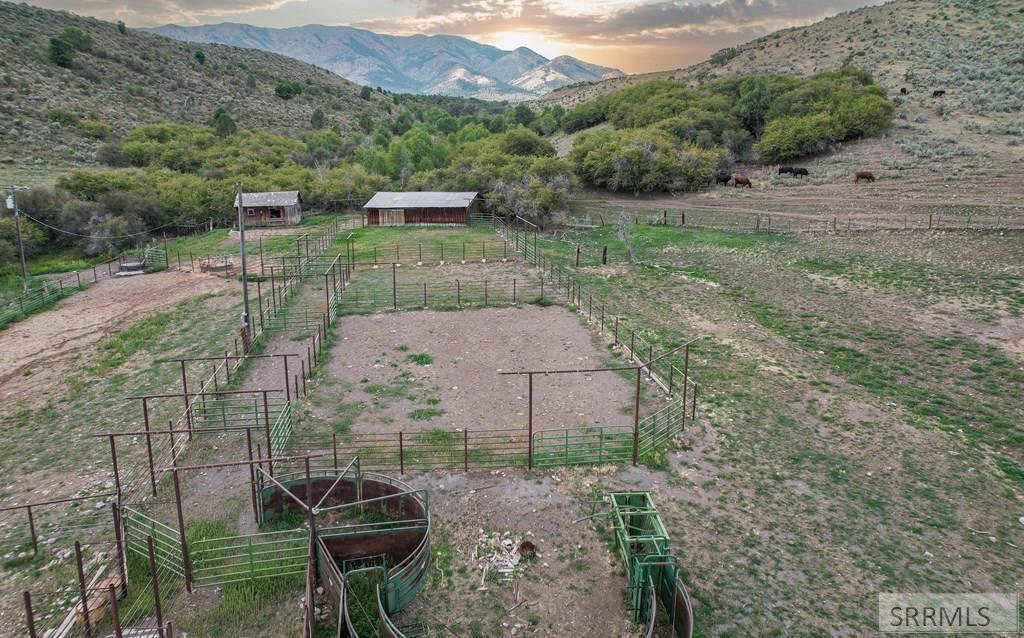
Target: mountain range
<point x="438" y="64"/>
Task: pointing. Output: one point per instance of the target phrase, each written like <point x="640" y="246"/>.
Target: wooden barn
<point x="271" y="209"/>
<point x="400" y="209"/>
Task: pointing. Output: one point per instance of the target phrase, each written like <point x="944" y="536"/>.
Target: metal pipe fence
<point x="635" y="341"/>
<point x="403" y="295"/>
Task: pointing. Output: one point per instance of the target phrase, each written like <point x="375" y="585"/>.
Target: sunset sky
<point x="633" y="35"/>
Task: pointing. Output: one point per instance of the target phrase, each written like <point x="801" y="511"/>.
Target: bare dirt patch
<point x="44" y="345"/>
<point x="397" y="364"/>
<point x="574" y="587"/>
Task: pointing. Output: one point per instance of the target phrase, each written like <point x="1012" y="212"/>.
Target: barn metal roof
<point x="278" y="198"/>
<point x="423" y="199"/>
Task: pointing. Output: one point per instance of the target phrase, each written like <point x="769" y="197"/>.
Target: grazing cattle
<point x="786" y="169"/>
<point x="722" y="177"/>
<point x="739" y="180"/>
<point x="800" y="172"/>
<point x="865" y="175"/>
<point x="938" y="92"/>
<point x="903" y="90"/>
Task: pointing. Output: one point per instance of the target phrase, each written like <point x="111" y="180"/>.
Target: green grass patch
<point x="425" y="414"/>
<point x="421" y="358"/>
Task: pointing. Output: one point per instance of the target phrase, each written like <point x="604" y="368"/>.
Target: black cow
<point x="796" y="171"/>
<point x="903" y="90"/>
<point x="938" y="92"/>
<point x="721" y="177"/>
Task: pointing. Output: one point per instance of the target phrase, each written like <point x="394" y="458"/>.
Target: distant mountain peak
<point x="436" y="64"/>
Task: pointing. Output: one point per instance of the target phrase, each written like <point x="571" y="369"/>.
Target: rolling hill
<point x="438" y="64"/>
<point x="970" y="49"/>
<point x="126" y="79"/>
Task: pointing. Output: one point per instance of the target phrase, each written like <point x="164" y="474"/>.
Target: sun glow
<point x="510" y="40"/>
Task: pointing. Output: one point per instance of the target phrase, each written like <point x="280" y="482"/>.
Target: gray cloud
<point x="644" y="21"/>
<point x="636" y="36"/>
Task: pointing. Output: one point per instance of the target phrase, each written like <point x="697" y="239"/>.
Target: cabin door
<point x="392" y="217"/>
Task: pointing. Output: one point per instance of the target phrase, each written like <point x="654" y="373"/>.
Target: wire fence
<point x="711" y="218"/>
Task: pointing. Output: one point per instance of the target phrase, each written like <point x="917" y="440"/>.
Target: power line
<point x="139" y="234"/>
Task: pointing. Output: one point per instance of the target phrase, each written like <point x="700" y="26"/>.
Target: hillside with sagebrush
<point x="968" y="48"/>
<point x="116" y="79"/>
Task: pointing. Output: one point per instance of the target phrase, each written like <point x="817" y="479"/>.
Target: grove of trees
<point x="657" y="136"/>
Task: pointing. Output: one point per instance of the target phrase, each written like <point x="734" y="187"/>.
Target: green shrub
<point x="97" y="129"/>
<point x="62" y="117"/>
<point x="223" y="124"/>
<point x="642" y="160"/>
<point x="61" y="53"/>
<point x="791" y="137"/>
<point x="77" y="38"/>
<point x="317" y="120"/>
<point x="721" y="57"/>
<point x="287" y="90"/>
<point x="200" y="57"/>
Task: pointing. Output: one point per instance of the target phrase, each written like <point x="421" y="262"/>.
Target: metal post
<point x="636" y="418"/>
<point x="245" y="276"/>
<point x="252" y="477"/>
<point x="686" y="376"/>
<point x="154" y="582"/>
<point x="181" y="531"/>
<point x="394" y="286"/>
<point x="529" y="426"/>
<point x="266" y="426"/>
<point x="122" y="560"/>
<point x="117" y="474"/>
<point x="465" y="450"/>
<point x="83" y="591"/>
<point x="149" y="446"/>
<point x="30" y="620"/>
<point x="287" y="390"/>
<point x="115" y="616"/>
<point x="401" y="453"/>
<point x="32" y="530"/>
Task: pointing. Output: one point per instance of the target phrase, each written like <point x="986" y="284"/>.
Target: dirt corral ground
<point x="37" y="353"/>
<point x="417" y="370"/>
<point x="575" y="586"/>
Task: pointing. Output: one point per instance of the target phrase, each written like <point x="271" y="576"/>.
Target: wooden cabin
<point x="434" y="208"/>
<point x="271" y="209"/>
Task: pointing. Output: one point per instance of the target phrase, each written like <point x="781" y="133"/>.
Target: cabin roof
<point x="274" y="198"/>
<point x="421" y="199"/>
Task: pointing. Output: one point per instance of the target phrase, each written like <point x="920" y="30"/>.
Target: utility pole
<point x="245" y="274"/>
<point x="12" y="204"/>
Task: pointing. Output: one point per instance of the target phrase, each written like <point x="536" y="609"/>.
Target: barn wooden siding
<point x="448" y="216"/>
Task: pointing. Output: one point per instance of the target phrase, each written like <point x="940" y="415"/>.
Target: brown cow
<point x="865" y="175"/>
<point x="739" y="180"/>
